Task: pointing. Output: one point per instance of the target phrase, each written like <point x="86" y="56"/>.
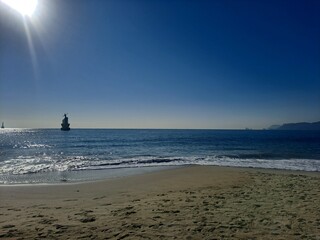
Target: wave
<point x="31" y="145"/>
<point x="30" y="164"/>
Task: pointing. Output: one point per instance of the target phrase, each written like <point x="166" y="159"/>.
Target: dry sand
<point x="186" y="203"/>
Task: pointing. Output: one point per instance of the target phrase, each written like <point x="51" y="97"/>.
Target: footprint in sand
<point x="87" y="219"/>
<point x="70" y="200"/>
<point x="8" y="226"/>
<point x="97" y="198"/>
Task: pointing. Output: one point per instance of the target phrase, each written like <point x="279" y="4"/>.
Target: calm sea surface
<point x="50" y="156"/>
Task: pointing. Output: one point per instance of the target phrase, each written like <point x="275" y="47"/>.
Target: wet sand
<point x="196" y="202"/>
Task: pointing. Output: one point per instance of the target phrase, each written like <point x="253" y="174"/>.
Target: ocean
<point x="29" y="156"/>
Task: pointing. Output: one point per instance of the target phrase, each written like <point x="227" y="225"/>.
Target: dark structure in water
<point x="2" y="126"/>
<point x="65" y="125"/>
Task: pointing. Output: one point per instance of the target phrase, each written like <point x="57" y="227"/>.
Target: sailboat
<point x="2" y="126"/>
<point x="65" y="125"/>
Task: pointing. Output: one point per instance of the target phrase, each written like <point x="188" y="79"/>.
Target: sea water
<point x="51" y="155"/>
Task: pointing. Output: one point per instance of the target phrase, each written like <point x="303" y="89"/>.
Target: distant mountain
<point x="297" y="126"/>
<point x="274" y="127"/>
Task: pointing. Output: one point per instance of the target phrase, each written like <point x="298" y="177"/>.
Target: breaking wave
<point x="28" y="165"/>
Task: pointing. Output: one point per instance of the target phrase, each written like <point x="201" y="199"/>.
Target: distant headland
<point x="297" y="126"/>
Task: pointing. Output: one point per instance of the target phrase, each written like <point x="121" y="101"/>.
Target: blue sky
<point x="161" y="64"/>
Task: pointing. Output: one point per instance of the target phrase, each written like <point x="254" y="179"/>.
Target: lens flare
<point x="24" y="7"/>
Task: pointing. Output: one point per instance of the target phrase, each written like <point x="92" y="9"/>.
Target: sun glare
<point x="24" y="7"/>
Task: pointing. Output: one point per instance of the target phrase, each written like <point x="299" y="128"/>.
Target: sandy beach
<point x="196" y="202"/>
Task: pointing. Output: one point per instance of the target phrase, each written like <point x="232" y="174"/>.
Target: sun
<point x="24" y="7"/>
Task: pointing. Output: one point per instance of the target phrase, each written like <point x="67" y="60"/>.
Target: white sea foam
<point x="48" y="169"/>
<point x="24" y="165"/>
<point x="286" y="164"/>
<point x="27" y="165"/>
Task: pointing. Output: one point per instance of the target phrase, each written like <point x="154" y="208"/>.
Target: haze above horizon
<point x="160" y="64"/>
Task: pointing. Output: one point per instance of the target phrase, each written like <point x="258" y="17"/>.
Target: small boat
<point x="65" y="125"/>
<point x="2" y="126"/>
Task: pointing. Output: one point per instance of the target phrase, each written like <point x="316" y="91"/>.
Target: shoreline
<point x="107" y="174"/>
<point x="194" y="202"/>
